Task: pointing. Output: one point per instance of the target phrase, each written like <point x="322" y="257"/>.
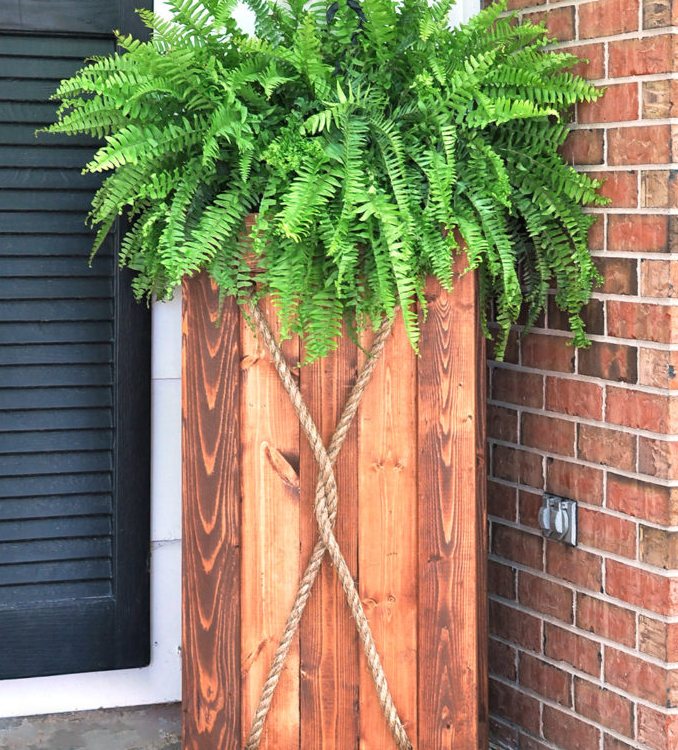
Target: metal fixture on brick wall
<point x="558" y="519"/>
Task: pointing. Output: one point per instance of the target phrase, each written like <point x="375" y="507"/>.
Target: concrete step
<point x="142" y="728"/>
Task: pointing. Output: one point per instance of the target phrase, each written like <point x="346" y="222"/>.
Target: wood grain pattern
<point x="211" y="520"/>
<point x="328" y="638"/>
<point x="448" y="520"/>
<point x="481" y="535"/>
<point x="270" y="533"/>
<point x="411" y="524"/>
<point x="387" y="533"/>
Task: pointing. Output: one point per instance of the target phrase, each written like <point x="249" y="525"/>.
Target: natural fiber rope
<point x="325" y="508"/>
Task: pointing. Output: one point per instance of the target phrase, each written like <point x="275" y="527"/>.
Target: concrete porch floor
<point x="142" y="728"/>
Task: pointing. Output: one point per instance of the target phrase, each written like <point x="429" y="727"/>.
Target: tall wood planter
<point x="411" y="524"/>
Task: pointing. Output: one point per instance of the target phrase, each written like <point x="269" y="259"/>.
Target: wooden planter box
<point x="411" y="523"/>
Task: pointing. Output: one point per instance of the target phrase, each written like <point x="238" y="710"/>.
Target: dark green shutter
<point x="74" y="375"/>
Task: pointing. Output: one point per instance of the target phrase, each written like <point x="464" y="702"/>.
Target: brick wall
<point x="584" y="642"/>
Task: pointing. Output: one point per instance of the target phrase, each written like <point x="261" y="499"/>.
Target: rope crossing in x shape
<point x="325" y="509"/>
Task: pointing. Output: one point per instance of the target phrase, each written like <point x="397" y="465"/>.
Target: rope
<point x="325" y="509"/>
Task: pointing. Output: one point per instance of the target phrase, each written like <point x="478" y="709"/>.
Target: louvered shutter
<point x="74" y="375"/>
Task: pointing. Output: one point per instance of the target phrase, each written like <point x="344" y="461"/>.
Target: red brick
<point x="651" y="502"/>
<point x="559" y="22"/>
<point x="502" y="660"/>
<point x="501" y="580"/>
<point x="593" y="315"/>
<point x="656" y="13"/>
<point x="637" y="676"/>
<point x="658" y="547"/>
<point x="519" y="4"/>
<point x="592" y="56"/>
<point x="659" y="278"/>
<point x="573" y="480"/>
<point x="584" y="147"/>
<point x="620" y="187"/>
<point x="518" y="546"/>
<point x="597" y="233"/>
<point x="574" y="565"/>
<point x="643" y="411"/>
<point x="609" y="361"/>
<point x="545" y="596"/>
<point x="568" y="732"/>
<point x="501" y="500"/>
<point x="630" y="320"/>
<point x="545" y="679"/>
<point x="635" y="57"/>
<point x="659" y="368"/>
<point x="515" y="706"/>
<point x="637" y="233"/>
<point x="530" y="743"/>
<point x="502" y="423"/>
<point x="503" y="734"/>
<point x="547" y="352"/>
<point x="606" y="620"/>
<point x="645" y="144"/>
<point x="662" y="191"/>
<point x="641" y="588"/>
<point x="672" y="642"/>
<point x="603" y="706"/>
<point x="607" y="17"/>
<point x="574" y="397"/>
<point x="606" y="532"/>
<point x="516" y="387"/>
<point x="576" y="650"/>
<point x="529" y="504"/>
<point x="658" y="458"/>
<point x="620" y="101"/>
<point x="517" y="466"/>
<point x="656" y="99"/>
<point x="658" y="638"/>
<point x="515" y="626"/>
<point x="512" y="353"/>
<point x="657" y="730"/>
<point x="548" y="434"/>
<point x="655" y="189"/>
<point x="608" y="447"/>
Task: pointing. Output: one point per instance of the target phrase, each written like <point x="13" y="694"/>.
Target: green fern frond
<point x="372" y="142"/>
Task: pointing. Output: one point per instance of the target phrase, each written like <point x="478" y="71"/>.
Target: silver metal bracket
<point x="558" y="519"/>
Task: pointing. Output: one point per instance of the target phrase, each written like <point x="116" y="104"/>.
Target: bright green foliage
<point x="368" y="138"/>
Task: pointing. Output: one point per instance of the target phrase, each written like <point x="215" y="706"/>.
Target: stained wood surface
<point x="211" y="520"/>
<point x="387" y="535"/>
<point x="270" y="567"/>
<point x="411" y="524"/>
<point x="482" y="541"/>
<point x="448" y="520"/>
<point x="328" y="638"/>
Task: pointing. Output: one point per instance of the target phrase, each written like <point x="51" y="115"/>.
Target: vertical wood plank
<point x="482" y="541"/>
<point x="411" y="524"/>
<point x="448" y="520"/>
<point x="211" y="520"/>
<point x="387" y="529"/>
<point x="270" y="534"/>
<point x="328" y="639"/>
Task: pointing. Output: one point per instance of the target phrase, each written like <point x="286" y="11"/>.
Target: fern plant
<point x="368" y="139"/>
